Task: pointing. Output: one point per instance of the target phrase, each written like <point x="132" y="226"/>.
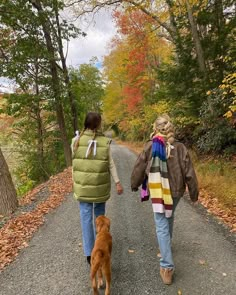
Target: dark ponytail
<point x="93" y="122"/>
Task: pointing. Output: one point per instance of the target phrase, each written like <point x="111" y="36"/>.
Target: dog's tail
<point x="96" y="262"/>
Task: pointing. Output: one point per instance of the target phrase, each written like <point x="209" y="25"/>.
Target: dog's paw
<point x="100" y="284"/>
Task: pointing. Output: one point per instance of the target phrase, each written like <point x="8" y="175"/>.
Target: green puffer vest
<point x="91" y="175"/>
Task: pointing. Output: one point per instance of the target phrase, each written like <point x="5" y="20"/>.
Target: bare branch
<point x="137" y="4"/>
<point x="153" y="16"/>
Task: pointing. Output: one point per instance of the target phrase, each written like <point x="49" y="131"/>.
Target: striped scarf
<point x="158" y="181"/>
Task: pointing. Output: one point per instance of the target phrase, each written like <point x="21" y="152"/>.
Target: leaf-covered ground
<point x="215" y="207"/>
<point x="18" y="228"/>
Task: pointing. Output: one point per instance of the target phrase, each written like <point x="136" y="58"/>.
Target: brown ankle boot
<point x="166" y="275"/>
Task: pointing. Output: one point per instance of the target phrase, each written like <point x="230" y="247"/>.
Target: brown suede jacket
<point x="180" y="170"/>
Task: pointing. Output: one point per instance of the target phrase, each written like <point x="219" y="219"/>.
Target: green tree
<point x="32" y="34"/>
<point x="35" y="136"/>
<point x="87" y="88"/>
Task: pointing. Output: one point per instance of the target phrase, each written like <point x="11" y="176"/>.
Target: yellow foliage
<point x="229" y="86"/>
<point x="116" y="73"/>
<point x="113" y="108"/>
<point x="152" y="111"/>
<point x="228" y="114"/>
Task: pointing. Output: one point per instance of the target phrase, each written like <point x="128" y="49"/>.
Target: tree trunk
<point x="220" y="24"/>
<point x="177" y="39"/>
<point x="40" y="144"/>
<point x="8" y="196"/>
<point x="73" y="107"/>
<point x="196" y="39"/>
<point x="55" y="80"/>
<point x="61" y="122"/>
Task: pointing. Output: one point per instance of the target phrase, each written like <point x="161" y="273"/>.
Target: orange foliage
<point x="135" y="28"/>
<point x="131" y="68"/>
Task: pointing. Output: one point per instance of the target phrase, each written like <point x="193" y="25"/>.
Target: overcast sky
<point x="99" y="29"/>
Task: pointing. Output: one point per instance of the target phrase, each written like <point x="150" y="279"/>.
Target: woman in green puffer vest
<point x="92" y="167"/>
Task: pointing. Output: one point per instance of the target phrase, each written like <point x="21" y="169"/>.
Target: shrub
<point x="215" y="133"/>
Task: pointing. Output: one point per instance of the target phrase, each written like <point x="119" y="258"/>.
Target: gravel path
<point x="53" y="263"/>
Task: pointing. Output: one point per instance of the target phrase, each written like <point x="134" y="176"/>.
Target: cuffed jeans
<point x="164" y="231"/>
<point x="88" y="213"/>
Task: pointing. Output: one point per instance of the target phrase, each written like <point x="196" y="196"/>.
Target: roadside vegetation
<point x="174" y="57"/>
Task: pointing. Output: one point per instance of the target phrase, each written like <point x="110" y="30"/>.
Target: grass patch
<point x="217" y="177"/>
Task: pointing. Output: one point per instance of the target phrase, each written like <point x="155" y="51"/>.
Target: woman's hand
<point x="134" y="189"/>
<point x="119" y="188"/>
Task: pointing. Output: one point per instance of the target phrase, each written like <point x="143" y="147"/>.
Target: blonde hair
<point x="164" y="126"/>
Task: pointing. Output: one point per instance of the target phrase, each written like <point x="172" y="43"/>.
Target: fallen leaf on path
<point x="131" y="251"/>
<point x="15" y="234"/>
<point x="179" y="292"/>
<point x="213" y="206"/>
<point x="224" y="274"/>
<point x="202" y="261"/>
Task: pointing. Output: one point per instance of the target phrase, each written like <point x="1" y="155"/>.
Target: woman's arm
<point x="140" y="167"/>
<point x="114" y="174"/>
<point x="191" y="178"/>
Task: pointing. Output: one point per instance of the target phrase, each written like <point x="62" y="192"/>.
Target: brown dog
<point x="101" y="255"/>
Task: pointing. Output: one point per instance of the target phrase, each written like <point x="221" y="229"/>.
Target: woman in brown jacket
<point x="166" y="166"/>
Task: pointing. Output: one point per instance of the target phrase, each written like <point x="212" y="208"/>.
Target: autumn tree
<point x="116" y="78"/>
<point x="130" y="70"/>
<point x="201" y="34"/>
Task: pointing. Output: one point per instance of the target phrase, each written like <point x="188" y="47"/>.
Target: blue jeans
<point x="164" y="231"/>
<point x="88" y="213"/>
